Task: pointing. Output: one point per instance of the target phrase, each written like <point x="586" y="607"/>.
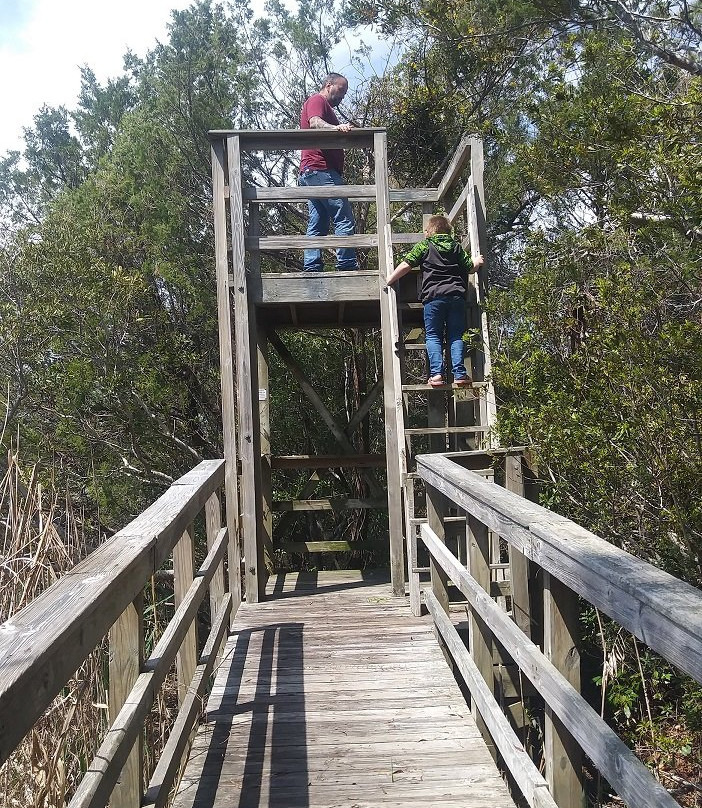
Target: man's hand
<point x="344" y="127"/>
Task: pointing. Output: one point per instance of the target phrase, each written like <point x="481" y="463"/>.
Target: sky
<point x="43" y="43"/>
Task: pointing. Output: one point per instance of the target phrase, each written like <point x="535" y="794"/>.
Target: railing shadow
<point x="275" y="768"/>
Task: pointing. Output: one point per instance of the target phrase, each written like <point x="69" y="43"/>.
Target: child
<point x="445" y="266"/>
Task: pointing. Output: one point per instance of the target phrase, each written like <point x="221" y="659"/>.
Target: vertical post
<point x="478" y="244"/>
<point x="392" y="383"/>
<point x="564" y="758"/>
<point x="231" y="482"/>
<point x="436" y="510"/>
<point x="213" y="524"/>
<point x="183" y="575"/>
<point x="518" y="563"/>
<point x="245" y="375"/>
<point x="125" y="659"/>
<point x="415" y="595"/>
<point x="265" y="482"/>
<point x="478" y="540"/>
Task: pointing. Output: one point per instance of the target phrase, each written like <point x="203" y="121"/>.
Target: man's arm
<point x="319" y="123"/>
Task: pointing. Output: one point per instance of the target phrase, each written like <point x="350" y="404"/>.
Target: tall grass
<point x="43" y="537"/>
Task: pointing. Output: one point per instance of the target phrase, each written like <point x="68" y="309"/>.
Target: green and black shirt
<point x="444" y="265"/>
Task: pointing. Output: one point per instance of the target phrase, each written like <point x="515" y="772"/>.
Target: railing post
<point x="183" y="576"/>
<point x="231" y="481"/>
<point x="564" y="757"/>
<point x="436" y="510"/>
<point x="213" y="523"/>
<point x="126" y="655"/>
<point x="480" y="636"/>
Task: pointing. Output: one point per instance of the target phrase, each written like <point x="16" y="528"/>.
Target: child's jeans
<point x="449" y="313"/>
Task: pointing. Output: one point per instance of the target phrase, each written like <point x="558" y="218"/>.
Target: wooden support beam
<point x="265" y="480"/>
<point x="327" y="461"/>
<point x="327" y="504"/>
<point x="213" y="524"/>
<point x="394" y="419"/>
<point x="564" y="758"/>
<point x="458" y="162"/>
<point x="226" y="362"/>
<point x="126" y="649"/>
<point x="183" y="576"/>
<point x="245" y="376"/>
<point x="355" y="193"/>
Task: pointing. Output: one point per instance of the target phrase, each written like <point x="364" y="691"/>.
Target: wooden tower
<point x="253" y="306"/>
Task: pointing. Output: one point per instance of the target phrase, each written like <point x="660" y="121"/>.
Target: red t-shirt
<point x="320" y="159"/>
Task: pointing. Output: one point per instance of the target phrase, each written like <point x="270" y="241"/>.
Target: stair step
<point x="415" y="346"/>
<point x="425" y="387"/>
<point x="446" y="430"/>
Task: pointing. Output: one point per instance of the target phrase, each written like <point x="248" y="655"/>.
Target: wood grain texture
<point x="392" y="380"/>
<point x="625" y="772"/>
<point x="43" y="644"/>
<point x="309" y="712"/>
<point x="660" y="610"/>
<point x="294" y="139"/>
<point x="356" y="193"/>
<point x="246" y="375"/>
<point x="226" y="370"/>
<point x="526" y="775"/>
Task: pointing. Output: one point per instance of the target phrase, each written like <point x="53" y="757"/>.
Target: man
<point x="325" y="167"/>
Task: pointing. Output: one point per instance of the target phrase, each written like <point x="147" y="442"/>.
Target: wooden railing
<point x="662" y="611"/>
<point x="42" y="646"/>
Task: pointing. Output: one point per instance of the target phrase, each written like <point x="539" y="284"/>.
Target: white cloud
<point x="40" y="65"/>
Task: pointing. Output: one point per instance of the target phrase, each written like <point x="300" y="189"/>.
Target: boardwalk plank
<point x="331" y="695"/>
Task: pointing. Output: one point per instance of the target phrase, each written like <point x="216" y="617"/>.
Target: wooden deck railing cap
<point x="283" y="139"/>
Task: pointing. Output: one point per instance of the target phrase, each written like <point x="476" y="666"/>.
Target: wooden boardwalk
<point x="331" y="695"/>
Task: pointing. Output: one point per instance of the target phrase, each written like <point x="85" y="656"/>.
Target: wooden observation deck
<point x="347" y="689"/>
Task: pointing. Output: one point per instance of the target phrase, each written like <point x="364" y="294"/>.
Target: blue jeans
<point x="448" y="312"/>
<point x="321" y="213"/>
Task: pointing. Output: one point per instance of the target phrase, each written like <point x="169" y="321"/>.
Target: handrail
<point x="42" y="645"/>
<point x="661" y="610"/>
<point x="657" y="607"/>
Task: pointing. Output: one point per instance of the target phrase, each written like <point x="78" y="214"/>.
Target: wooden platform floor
<point x="331" y="695"/>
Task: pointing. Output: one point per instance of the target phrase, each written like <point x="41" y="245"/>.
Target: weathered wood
<point x="425" y="388"/>
<point x="324" y="546"/>
<point x="356" y="193"/>
<point x="480" y="636"/>
<point x="183" y="572"/>
<point x="245" y="378"/>
<point x="296" y="242"/>
<point x="100" y="778"/>
<point x="327" y="461"/>
<point x="313" y="287"/>
<point x="213" y="524"/>
<point x="125" y="658"/>
<point x="518" y="564"/>
<point x="627" y="775"/>
<point x="288" y="727"/>
<point x="460" y="204"/>
<point x="264" y="476"/>
<point x="527" y="777"/>
<point x="295" y="139"/>
<point x="170" y="761"/>
<point x="42" y="645"/>
<point x="226" y="362"/>
<point x="564" y="759"/>
<point x="458" y="162"/>
<point x="327" y="504"/>
<point x="659" y="609"/>
<point x="394" y="419"/>
<point x="436" y="511"/>
<point x="445" y="430"/>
